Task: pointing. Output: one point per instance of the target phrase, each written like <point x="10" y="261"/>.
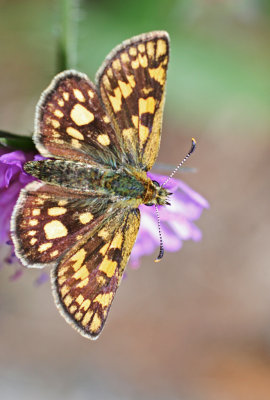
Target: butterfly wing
<point x="86" y="279"/>
<point x="48" y="220"/>
<point x="71" y="122"/>
<point x="131" y="83"/>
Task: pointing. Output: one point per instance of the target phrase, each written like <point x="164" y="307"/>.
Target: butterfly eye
<point x="156" y="183"/>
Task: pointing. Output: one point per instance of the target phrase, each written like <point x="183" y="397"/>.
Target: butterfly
<point x="82" y="217"/>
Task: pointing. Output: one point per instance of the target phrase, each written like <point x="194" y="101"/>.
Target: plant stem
<point x="67" y="34"/>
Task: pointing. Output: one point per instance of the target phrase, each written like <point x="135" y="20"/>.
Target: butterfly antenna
<point x="161" y="247"/>
<point x="193" y="145"/>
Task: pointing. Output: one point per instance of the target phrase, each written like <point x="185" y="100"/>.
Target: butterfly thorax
<point x="124" y="184"/>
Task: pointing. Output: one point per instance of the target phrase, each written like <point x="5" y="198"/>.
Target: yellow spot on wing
<point x="55" y="123"/>
<point x="55" y="229"/>
<point x="62" y="203"/>
<point x="78" y="258"/>
<point x="141" y="48"/>
<point x="91" y="94"/>
<point x="135" y="64"/>
<point x="104" y="299"/>
<point x="32" y="233"/>
<point x="58" y="113"/>
<point x="103" y="233"/>
<point x="101" y="280"/>
<point x="116" y="65"/>
<point x="75" y="143"/>
<point x="106" y="82"/>
<point x="61" y="102"/>
<point x="96" y="323"/>
<point x="104" y="139"/>
<point x="33" y="222"/>
<point x="36" y="211"/>
<point x="158" y="74"/>
<point x="124" y="58"/>
<point x="66" y="96"/>
<point x="55" y="211"/>
<point x="85" y="305"/>
<point x="33" y="241"/>
<point x="73" y="308"/>
<point x="133" y="51"/>
<point x="87" y="318"/>
<point x="74" y="133"/>
<point x="78" y="315"/>
<point x="116" y="99"/>
<point x="147" y="90"/>
<point x="81" y="274"/>
<point x="128" y="132"/>
<point x="110" y="73"/>
<point x="45" y="246"/>
<point x="117" y="241"/>
<point x="62" y="279"/>
<point x="64" y="290"/>
<point x="143" y="60"/>
<point x="126" y="89"/>
<point x="147" y="105"/>
<point x="131" y="80"/>
<point x="106" y="119"/>
<point x="161" y="48"/>
<point x="83" y="283"/>
<point x="62" y="271"/>
<point x="86" y="217"/>
<point x="54" y="253"/>
<point x="143" y="134"/>
<point x="68" y="300"/>
<point x="150" y="49"/>
<point x="104" y="249"/>
<point x="135" y="120"/>
<point x="108" y="266"/>
<point x="78" y="94"/>
<point x="39" y="201"/>
<point x="81" y="116"/>
<point x="80" y="299"/>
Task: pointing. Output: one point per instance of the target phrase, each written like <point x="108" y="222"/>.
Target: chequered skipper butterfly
<point x="82" y="219"/>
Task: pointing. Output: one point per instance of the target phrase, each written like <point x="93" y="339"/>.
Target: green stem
<point x="67" y="34"/>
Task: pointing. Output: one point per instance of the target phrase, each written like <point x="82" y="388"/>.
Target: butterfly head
<point x="160" y="195"/>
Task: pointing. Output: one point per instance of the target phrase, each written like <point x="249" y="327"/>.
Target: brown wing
<point x="86" y="279"/>
<point x="71" y="122"/>
<point x="131" y="83"/>
<point x="48" y="220"/>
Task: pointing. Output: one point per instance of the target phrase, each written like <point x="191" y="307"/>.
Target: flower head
<point x="12" y="180"/>
<point x="177" y="220"/>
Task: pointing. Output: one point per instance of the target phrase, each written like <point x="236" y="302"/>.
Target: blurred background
<point x="195" y="326"/>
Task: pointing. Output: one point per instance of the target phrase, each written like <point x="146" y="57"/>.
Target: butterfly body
<point x="82" y="218"/>
<point x="119" y="185"/>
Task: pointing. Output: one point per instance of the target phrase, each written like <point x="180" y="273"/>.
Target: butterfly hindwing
<point x="71" y="122"/>
<point x="86" y="279"/>
<point x="47" y="221"/>
<point x="132" y="83"/>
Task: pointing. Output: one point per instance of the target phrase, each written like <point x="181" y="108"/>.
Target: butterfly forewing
<point x="71" y="122"/>
<point x="132" y="83"/>
<point x="87" y="278"/>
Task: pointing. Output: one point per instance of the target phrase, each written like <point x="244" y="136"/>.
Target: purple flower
<point x="12" y="180"/>
<point x="177" y="220"/>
